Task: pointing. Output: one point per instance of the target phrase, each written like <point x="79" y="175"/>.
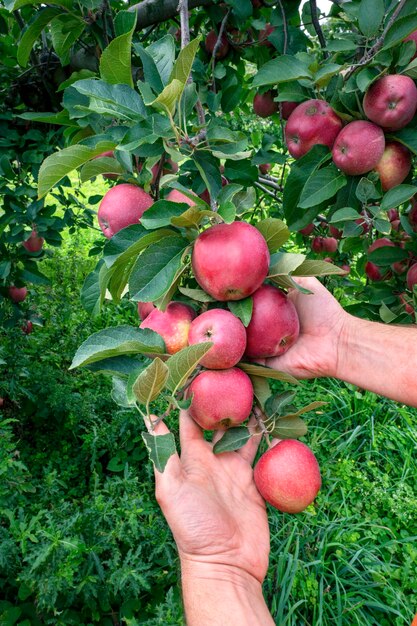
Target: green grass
<point x="82" y="540"/>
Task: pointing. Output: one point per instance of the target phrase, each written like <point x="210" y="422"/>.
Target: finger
<point x="217" y="435"/>
<point x="172" y="470"/>
<point x="190" y="432"/>
<point x="249" y="450"/>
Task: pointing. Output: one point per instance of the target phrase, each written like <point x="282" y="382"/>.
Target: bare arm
<point x="378" y="357"/>
<point x="220" y="526"/>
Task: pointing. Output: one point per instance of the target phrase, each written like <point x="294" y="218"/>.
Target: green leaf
<point x="184" y="63"/>
<point x="162" y="212"/>
<point x="129" y="242"/>
<point x="274" y="231"/>
<point x="67" y="4"/>
<point x="115" y="341"/>
<point x="124" y="22"/>
<point x="284" y="263"/>
<point x="121" y="366"/>
<point x="402" y="27"/>
<point x="115" y="61"/>
<point x="266" y="372"/>
<point x="371" y="14"/>
<point x="103" y="165"/>
<point x="117" y="101"/>
<point x="32" y="274"/>
<point x="289" y="428"/>
<point x="160" y="448"/>
<point x="196" y="294"/>
<point x="168" y="98"/>
<point x="65" y="30"/>
<point x="209" y="170"/>
<point x="150" y="382"/>
<point x="411" y="69"/>
<point x="155" y="269"/>
<point x="92" y="295"/>
<point x="34" y="29"/>
<point x="275" y="404"/>
<point x="408" y="137"/>
<point x="233" y="439"/>
<point x="311" y="267"/>
<point x="261" y="389"/>
<point x="396" y="196"/>
<point x="150" y="70"/>
<point x="163" y="53"/>
<point x="321" y="185"/>
<point x="227" y="212"/>
<point x="386" y="255"/>
<point x="191" y="218"/>
<point x="60" y="164"/>
<point x="281" y="70"/>
<point x="344" y="215"/>
<point x="242" y="309"/>
<point x="183" y="363"/>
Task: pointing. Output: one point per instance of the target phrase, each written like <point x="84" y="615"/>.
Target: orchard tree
<point x="249" y="143"/>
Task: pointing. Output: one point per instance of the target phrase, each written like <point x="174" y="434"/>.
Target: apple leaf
<point x="396" y="196"/>
<point x="120" y="393"/>
<point x="130" y="241"/>
<point x="321" y="185"/>
<point x="104" y="165"/>
<point x="283" y="263"/>
<point x="266" y="372"/>
<point x="185" y="60"/>
<point x="233" y="439"/>
<point x="371" y="14"/>
<point x="150" y="382"/>
<point x="122" y="366"/>
<point x="397" y="32"/>
<point x="242" y="309"/>
<point x="116" y="341"/>
<point x="274" y="231"/>
<point x="281" y="70"/>
<point x="115" y="60"/>
<point x="183" y="363"/>
<point x="94" y="288"/>
<point x="35" y="27"/>
<point x="161" y="213"/>
<point x="261" y="389"/>
<point x="386" y="255"/>
<point x="344" y="215"/>
<point x="196" y="294"/>
<point x="289" y="427"/>
<point x="160" y="448"/>
<point x="311" y="267"/>
<point x="191" y="218"/>
<point x="275" y="404"/>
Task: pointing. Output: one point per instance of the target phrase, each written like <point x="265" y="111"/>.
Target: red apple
<point x="411" y="277"/>
<point x="394" y="165"/>
<point x="346" y="268"/>
<point x="27" y="327"/>
<point x="307" y="230"/>
<point x="329" y="244"/>
<point x="412" y="215"/>
<point x="312" y="122"/>
<point x="221" y="398"/>
<point x="408" y="307"/>
<point x="373" y="271"/>
<point x="230" y="261"/>
<point x="264" y="34"/>
<point x="177" y="196"/>
<point x="223" y="48"/>
<point x="393" y="215"/>
<point x="264" y="104"/>
<point x="264" y="168"/>
<point x="17" y="294"/>
<point x="34" y="243"/>
<point x="274" y="326"/>
<point x="391" y="101"/>
<point x="288" y="476"/>
<point x="226" y="332"/>
<point x="173" y="325"/>
<point x="412" y="37"/>
<point x="144" y="308"/>
<point x="122" y="206"/>
<point x="335" y="232"/>
<point x="287" y="108"/>
<point x="206" y="196"/>
<point x="317" y="244"/>
<point x="358" y="147"/>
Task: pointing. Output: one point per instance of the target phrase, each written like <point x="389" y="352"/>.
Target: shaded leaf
<point x="183" y="363"/>
<point x="242" y="309"/>
<point x="160" y="448"/>
<point x="266" y="372"/>
<point x="261" y="389"/>
<point x="233" y="439"/>
<point x="150" y="382"/>
<point x="274" y="231"/>
<point x="289" y="428"/>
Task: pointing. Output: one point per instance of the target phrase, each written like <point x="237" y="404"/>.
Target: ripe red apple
<point x="274" y="326"/>
<point x="177" y="196"/>
<point x="317" y="244"/>
<point x="206" y="196"/>
<point x="288" y="476"/>
<point x="223" y="48"/>
<point x="394" y="165"/>
<point x="412" y="37"/>
<point x="144" y="308"/>
<point x="287" y="108"/>
<point x="312" y="122"/>
<point x="264" y="34"/>
<point x="335" y="232"/>
<point x="230" y="261"/>
<point x="221" y="398"/>
<point x="264" y="168"/>
<point x="122" y="206"/>
<point x="27" y="327"/>
<point x="329" y="245"/>
<point x="34" y="243"/>
<point x="173" y="325"/>
<point x="264" y="104"/>
<point x="17" y="294"/>
<point x="411" y="277"/>
<point x="358" y="147"/>
<point x="307" y="230"/>
<point x="226" y="332"/>
<point x="391" y="101"/>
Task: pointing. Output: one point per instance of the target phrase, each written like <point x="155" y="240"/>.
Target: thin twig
<point x="265" y="190"/>
<point x="285" y="27"/>
<point x="217" y="46"/>
<point x="317" y="27"/>
<point x="185" y="26"/>
<point x="270" y="183"/>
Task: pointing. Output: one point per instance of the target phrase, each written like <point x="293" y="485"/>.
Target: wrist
<point x="348" y="346"/>
<point x="199" y="568"/>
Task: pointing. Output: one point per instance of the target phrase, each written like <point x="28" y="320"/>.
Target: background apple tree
<point x="196" y="98"/>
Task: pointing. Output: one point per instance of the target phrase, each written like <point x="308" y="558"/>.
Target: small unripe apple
<point x="288" y="476"/>
<point x="34" y="243"/>
<point x="412" y="277"/>
<point x="226" y="332"/>
<point x="230" y="261"/>
<point x="17" y="294"/>
<point x="264" y="34"/>
<point x="363" y="222"/>
<point x="400" y="267"/>
<point x="264" y="168"/>
<point x="358" y="147"/>
<point x="274" y="326"/>
<point x="264" y="104"/>
<point x="177" y="196"/>
<point x="144" y="308"/>
<point x="173" y="325"/>
<point x="211" y="41"/>
<point x="221" y="398"/>
<point x="312" y="122"/>
<point x="122" y="206"/>
<point x="391" y="101"/>
<point x="394" y="165"/>
<point x="307" y="230"/>
<point x="393" y="215"/>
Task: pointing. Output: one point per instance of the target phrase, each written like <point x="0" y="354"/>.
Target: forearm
<point x="379" y="357"/>
<point x="215" y="595"/>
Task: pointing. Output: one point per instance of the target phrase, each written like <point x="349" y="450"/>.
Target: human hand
<point x="216" y="514"/>
<point x="323" y="325"/>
